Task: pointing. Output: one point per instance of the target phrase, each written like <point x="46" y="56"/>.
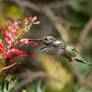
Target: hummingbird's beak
<point x="35" y="40"/>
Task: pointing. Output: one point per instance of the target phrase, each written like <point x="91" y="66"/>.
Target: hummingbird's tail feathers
<point x="83" y="61"/>
<point x="89" y="64"/>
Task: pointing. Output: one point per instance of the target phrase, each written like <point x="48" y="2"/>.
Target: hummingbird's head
<point x="45" y="40"/>
<point x="48" y="38"/>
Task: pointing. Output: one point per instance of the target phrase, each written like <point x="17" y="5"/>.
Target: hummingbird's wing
<point x="49" y="50"/>
<point x="52" y="50"/>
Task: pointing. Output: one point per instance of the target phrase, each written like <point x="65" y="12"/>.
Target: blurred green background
<point x="67" y="20"/>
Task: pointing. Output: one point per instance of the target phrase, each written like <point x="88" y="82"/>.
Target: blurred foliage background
<point x="67" y="20"/>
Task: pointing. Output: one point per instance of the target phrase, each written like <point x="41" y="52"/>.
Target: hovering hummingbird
<point x="60" y="48"/>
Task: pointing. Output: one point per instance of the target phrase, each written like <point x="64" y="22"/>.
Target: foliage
<point x="8" y="83"/>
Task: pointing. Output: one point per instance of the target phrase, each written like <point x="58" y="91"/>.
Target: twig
<point x="56" y="22"/>
<point x="0" y="1"/>
<point x="61" y="4"/>
<point x="24" y="4"/>
<point x="10" y="66"/>
<point x="31" y="76"/>
<point x="84" y="33"/>
<point x="37" y="8"/>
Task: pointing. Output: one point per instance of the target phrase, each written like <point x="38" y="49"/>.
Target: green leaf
<point x="7" y="84"/>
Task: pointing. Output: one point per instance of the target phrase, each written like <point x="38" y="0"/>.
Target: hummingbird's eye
<point x="46" y="39"/>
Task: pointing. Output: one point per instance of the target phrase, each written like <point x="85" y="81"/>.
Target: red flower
<point x="10" y="48"/>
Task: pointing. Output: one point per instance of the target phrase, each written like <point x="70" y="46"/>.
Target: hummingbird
<point x="60" y="48"/>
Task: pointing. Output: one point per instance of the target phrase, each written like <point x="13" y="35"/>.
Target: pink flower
<point x="1" y="44"/>
<point x="9" y="49"/>
<point x="26" y="41"/>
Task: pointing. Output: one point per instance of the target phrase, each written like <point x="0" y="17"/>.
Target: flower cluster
<point x="12" y="38"/>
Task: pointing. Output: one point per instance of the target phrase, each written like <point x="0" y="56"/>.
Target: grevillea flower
<point x="9" y="47"/>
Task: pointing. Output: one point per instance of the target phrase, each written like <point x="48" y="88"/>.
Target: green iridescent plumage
<point x="75" y="55"/>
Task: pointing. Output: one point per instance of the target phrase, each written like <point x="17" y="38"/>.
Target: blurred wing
<point x="51" y="50"/>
